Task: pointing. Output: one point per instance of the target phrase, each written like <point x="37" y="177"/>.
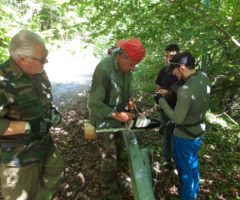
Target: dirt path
<point x="82" y="160"/>
<point x="81" y="163"/>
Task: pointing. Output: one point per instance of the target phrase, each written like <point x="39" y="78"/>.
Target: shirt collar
<point x="114" y="57"/>
<point x="15" y="68"/>
<point x="191" y="75"/>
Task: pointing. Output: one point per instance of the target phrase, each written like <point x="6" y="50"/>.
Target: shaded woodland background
<point x="210" y="29"/>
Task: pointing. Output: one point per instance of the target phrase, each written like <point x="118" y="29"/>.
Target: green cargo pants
<point x="110" y="149"/>
<point x="36" y="181"/>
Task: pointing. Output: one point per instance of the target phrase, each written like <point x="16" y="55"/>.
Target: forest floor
<point x="81" y="180"/>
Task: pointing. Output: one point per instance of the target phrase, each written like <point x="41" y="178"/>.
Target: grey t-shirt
<point x="192" y="104"/>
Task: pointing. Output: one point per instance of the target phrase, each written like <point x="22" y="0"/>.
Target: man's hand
<point x="123" y="116"/>
<point x="159" y="94"/>
<point x="131" y="105"/>
<point x="163" y="92"/>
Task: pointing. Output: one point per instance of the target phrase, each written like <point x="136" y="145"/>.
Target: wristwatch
<point x="27" y="128"/>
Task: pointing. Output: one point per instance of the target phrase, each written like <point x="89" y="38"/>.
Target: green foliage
<point x="220" y="158"/>
<point x="7" y="22"/>
<point x="205" y="31"/>
<point x="210" y="29"/>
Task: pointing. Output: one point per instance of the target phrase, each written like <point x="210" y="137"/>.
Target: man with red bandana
<point x="109" y="94"/>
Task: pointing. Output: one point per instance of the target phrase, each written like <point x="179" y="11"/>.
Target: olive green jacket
<point x="192" y="104"/>
<point x="110" y="92"/>
<point x="23" y="98"/>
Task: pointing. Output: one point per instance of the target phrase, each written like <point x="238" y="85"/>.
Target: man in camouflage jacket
<point x="30" y="164"/>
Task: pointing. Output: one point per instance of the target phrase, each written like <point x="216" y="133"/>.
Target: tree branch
<point x="235" y="41"/>
<point x="215" y="24"/>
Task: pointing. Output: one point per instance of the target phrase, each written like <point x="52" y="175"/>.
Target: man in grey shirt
<point x="188" y="115"/>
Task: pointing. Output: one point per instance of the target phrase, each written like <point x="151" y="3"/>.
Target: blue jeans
<point x="167" y="132"/>
<point x="185" y="154"/>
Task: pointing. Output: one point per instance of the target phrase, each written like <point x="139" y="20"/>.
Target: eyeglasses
<point x="42" y="61"/>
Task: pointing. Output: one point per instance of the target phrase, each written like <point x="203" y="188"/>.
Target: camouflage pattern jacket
<point x="23" y="98"/>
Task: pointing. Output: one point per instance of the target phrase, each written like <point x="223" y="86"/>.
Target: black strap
<point x="189" y="125"/>
<point x="135" y="118"/>
<point x="189" y="133"/>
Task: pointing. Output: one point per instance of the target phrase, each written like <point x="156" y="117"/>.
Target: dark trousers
<point x="166" y="131"/>
<point x="110" y="149"/>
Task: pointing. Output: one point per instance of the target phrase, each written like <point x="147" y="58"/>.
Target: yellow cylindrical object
<point x="89" y="131"/>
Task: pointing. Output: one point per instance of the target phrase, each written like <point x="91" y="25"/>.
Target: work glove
<point x="55" y="117"/>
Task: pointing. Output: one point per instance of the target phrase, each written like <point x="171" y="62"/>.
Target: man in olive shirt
<point x="188" y="115"/>
<point x="30" y="164"/>
<point x="109" y="95"/>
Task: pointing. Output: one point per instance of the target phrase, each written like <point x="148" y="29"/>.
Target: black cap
<point x="184" y="58"/>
